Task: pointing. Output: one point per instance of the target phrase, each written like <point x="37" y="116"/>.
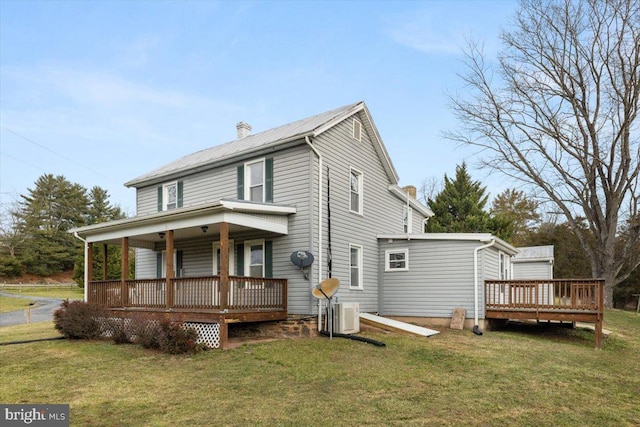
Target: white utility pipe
<point x="86" y="266"/>
<point x="306" y="138"/>
<point x="475" y="278"/>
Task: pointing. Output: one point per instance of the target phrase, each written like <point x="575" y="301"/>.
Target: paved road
<point x="41" y="312"/>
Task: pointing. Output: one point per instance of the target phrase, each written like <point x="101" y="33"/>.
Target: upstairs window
<point x="355" y="191"/>
<point x="407" y="219"/>
<point x="255" y="181"/>
<point x="170" y="196"/>
<point x="357" y="130"/>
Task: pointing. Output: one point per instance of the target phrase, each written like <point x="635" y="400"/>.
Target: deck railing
<point x="549" y="295"/>
<point x="191" y="293"/>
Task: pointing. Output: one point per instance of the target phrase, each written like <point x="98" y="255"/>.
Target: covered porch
<point x="219" y="298"/>
<point x="573" y="300"/>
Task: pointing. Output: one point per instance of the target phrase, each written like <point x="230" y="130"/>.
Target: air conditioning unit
<point x="347" y="318"/>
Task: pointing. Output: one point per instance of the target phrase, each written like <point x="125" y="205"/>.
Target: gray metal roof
<point x="531" y="253"/>
<point x="296" y="130"/>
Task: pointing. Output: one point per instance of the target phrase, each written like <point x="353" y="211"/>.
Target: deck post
<point x="224" y="266"/>
<point x="124" y="271"/>
<point x="224" y="333"/>
<point x="104" y="261"/>
<point x="170" y="271"/>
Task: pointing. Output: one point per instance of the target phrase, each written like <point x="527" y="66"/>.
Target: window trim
<point x="165" y="195"/>
<point x="387" y="260"/>
<point x="408" y="226"/>
<point x="247" y="180"/>
<point x="247" y="256"/>
<point x="357" y="136"/>
<point x="504" y="258"/>
<point x="360" y="285"/>
<point x="232" y="258"/>
<point x="360" y="210"/>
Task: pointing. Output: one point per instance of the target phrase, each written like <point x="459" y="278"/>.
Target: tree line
<point x="34" y="232"/>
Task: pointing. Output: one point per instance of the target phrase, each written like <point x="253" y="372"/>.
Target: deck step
<point x="396" y="325"/>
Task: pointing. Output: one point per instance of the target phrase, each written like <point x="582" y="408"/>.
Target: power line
<point x="54" y="152"/>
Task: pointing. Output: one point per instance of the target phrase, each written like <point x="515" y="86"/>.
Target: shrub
<point x="118" y="331"/>
<point x="175" y="339"/>
<point x="79" y="320"/>
<point x="146" y="333"/>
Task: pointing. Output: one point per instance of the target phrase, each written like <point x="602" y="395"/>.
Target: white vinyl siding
<point x="355" y="191"/>
<point x="396" y="260"/>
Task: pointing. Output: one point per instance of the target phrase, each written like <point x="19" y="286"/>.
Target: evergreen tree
<point x="45" y="215"/>
<point x="459" y="208"/>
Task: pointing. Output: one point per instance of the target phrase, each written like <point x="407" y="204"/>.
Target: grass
<point x="48" y="292"/>
<point x="8" y="304"/>
<point x="523" y="376"/>
<point x="26" y="332"/>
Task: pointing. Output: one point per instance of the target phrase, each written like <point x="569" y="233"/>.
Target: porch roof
<point x="188" y="222"/>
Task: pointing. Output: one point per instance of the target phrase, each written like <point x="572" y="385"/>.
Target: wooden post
<point x="124" y="271"/>
<point x="89" y="262"/>
<point x="224" y="334"/>
<point x="224" y="265"/>
<point x="170" y="269"/>
<point x="105" y="249"/>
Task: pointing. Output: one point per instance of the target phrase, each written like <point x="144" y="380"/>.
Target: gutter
<point x="476" y="329"/>
<point x="317" y="153"/>
<point x="86" y="266"/>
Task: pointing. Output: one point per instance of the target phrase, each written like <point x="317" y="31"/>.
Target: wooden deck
<point x="194" y="299"/>
<point x="563" y="300"/>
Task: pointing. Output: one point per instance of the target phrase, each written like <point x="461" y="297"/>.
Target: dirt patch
<point x="55" y="279"/>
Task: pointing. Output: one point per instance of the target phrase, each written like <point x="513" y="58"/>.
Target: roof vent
<point x="244" y="130"/>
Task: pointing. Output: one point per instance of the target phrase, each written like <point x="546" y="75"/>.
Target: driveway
<point x="41" y="312"/>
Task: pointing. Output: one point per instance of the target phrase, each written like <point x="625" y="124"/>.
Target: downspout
<point x="86" y="266"/>
<point x="476" y="329"/>
<point x="317" y="153"/>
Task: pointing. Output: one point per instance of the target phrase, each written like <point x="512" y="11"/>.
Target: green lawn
<point x="526" y="376"/>
<point x="49" y="292"/>
<point x="12" y="304"/>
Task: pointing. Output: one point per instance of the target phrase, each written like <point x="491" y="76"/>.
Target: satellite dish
<point x="326" y="289"/>
<point x="302" y="259"/>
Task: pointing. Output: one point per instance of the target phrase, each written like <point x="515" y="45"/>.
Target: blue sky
<point x="104" y="91"/>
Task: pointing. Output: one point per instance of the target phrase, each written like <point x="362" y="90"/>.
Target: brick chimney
<point x="244" y="130"/>
<point x="411" y="190"/>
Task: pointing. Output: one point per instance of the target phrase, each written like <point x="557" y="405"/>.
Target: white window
<point x="216" y="259"/>
<point x="254" y="258"/>
<point x="407" y="219"/>
<point x="177" y="269"/>
<point x="396" y="260"/>
<point x="505" y="270"/>
<point x="355" y="267"/>
<point x="357" y="130"/>
<point x="254" y="174"/>
<point x="170" y="196"/>
<point x="355" y="191"/>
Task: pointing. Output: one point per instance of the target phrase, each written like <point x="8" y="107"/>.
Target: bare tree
<point x="558" y="112"/>
<point x="429" y="189"/>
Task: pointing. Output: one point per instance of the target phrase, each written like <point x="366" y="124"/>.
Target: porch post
<point x="224" y="265"/>
<point x="104" y="262"/>
<point x="124" y="270"/>
<point x="170" y="271"/>
<point x="88" y="269"/>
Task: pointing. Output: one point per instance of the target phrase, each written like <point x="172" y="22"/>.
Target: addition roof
<point x="294" y="132"/>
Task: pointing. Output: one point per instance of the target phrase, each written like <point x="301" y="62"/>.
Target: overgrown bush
<point x="146" y="333"/>
<point x="79" y="320"/>
<point x="175" y="339"/>
<point x="119" y="331"/>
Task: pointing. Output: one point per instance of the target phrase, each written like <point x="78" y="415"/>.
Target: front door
<point x="216" y="268"/>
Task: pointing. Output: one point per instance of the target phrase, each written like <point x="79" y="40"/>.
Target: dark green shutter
<point x="159" y="265"/>
<point x="240" y="260"/>
<point x="241" y="182"/>
<point x="180" y="188"/>
<point x="268" y="180"/>
<point x="178" y="263"/>
<point x="160" y="198"/>
<point x="268" y="258"/>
